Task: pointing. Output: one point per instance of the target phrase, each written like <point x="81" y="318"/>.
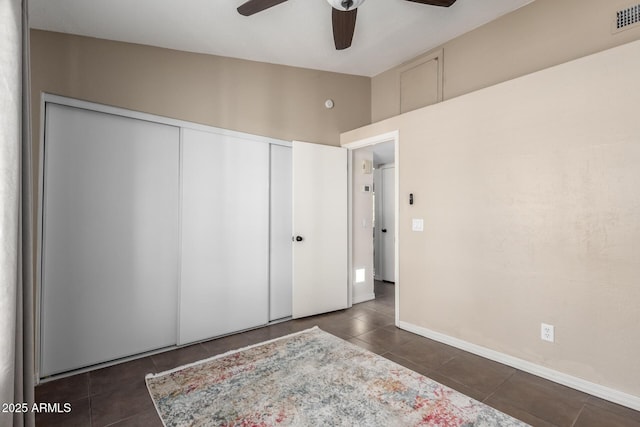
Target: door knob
<point x="299" y="239"/>
<point x="384" y="230"/>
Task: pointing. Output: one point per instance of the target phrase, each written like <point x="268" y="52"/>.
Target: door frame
<point x="393" y="136"/>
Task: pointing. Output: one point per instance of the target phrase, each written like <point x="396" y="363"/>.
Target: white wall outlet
<point x="547" y="332"/>
<point x="417" y="224"/>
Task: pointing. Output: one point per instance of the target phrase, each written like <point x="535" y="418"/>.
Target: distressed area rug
<point x="310" y="378"/>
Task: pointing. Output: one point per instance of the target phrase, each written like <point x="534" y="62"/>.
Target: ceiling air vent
<point x="627" y="18"/>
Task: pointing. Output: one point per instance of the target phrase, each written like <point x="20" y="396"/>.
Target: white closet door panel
<point x="281" y="280"/>
<point x="225" y="235"/>
<point x="110" y="238"/>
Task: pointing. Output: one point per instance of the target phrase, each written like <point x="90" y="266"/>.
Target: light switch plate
<point x="417" y="224"/>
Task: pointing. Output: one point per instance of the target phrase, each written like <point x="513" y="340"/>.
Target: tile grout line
<point x="499" y="385"/>
<point x="90" y="408"/>
<point x="90" y="397"/>
<point x="578" y="415"/>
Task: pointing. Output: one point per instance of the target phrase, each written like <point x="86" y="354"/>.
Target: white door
<point x="320" y="229"/>
<point x="387" y="224"/>
<point x="225" y="235"/>
<point x="110" y="237"/>
<point x="377" y="240"/>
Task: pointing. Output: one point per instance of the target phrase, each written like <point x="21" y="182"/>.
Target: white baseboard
<point x="580" y="384"/>
<point x="362" y="298"/>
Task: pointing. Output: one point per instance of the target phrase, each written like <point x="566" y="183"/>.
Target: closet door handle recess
<point x="384" y="230"/>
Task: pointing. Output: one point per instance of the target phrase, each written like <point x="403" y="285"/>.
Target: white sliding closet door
<point x="225" y="235"/>
<point x="281" y="280"/>
<point x="110" y="238"/>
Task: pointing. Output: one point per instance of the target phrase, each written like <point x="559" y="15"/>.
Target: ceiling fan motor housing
<point x="345" y="5"/>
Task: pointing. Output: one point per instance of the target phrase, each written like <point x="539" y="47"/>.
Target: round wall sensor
<point x="328" y="103"/>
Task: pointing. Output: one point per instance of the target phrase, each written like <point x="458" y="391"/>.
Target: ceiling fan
<point x="343" y="15"/>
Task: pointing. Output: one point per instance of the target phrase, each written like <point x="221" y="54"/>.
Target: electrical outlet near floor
<point x="546" y="332"/>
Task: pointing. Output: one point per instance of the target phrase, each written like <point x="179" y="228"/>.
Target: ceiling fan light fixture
<point x="344" y="5"/>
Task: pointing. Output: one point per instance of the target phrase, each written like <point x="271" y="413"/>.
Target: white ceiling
<point x="297" y="32"/>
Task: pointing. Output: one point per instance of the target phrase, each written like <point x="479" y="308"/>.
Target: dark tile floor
<point x="117" y="395"/>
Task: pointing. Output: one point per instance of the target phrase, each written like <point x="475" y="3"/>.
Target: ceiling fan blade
<point x="344" y="24"/>
<point x="443" y="3"/>
<point x="255" y="6"/>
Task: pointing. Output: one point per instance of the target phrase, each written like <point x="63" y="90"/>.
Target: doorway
<point x="373" y="252"/>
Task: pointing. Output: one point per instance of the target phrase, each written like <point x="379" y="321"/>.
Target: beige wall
<point x="263" y="99"/>
<point x="537" y="36"/>
<point x="529" y="192"/>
